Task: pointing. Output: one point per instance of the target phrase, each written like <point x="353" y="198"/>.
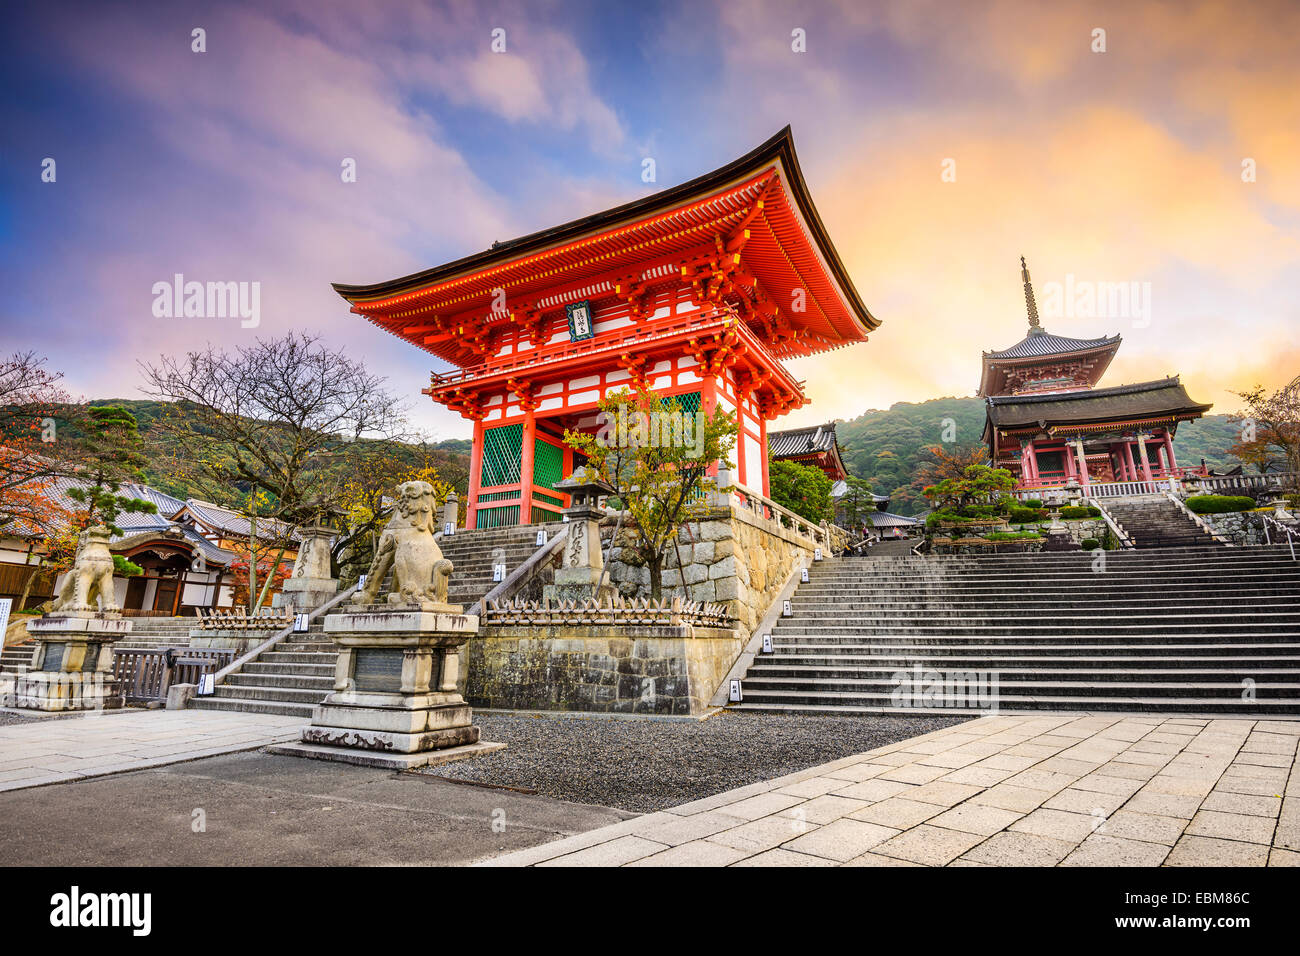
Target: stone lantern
<point x="311" y="585"/>
<point x="582" y="564"/>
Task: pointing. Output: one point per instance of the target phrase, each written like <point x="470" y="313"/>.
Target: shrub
<point x="1089" y="544"/>
<point x="1026" y="515"/>
<point x="1011" y="535"/>
<point x="1032" y="503"/>
<point x="1219" y="504"/>
<point x="1075" y="512"/>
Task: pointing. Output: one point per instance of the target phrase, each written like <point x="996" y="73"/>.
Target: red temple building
<point x="1048" y="423"/>
<point x="701" y="291"/>
<point x="817" y="446"/>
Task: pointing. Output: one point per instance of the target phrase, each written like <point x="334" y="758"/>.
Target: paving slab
<point x="1015" y="790"/>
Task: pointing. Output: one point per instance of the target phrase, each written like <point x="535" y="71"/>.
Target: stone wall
<point x="1242" y="527"/>
<point x="630" y="670"/>
<point x="732" y="557"/>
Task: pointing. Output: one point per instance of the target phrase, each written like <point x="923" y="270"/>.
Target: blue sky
<point x="1114" y="166"/>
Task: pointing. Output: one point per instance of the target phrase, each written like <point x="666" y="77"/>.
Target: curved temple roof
<point x="1162" y="398"/>
<point x="758" y="208"/>
<point x="1040" y="342"/>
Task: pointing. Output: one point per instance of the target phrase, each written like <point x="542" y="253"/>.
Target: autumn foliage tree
<point x="657" y="458"/>
<point x="31" y="400"/>
<point x="1270" y="429"/>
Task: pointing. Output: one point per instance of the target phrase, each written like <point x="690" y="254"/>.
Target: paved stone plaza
<point x="1070" y="790"/>
<point x="54" y="750"/>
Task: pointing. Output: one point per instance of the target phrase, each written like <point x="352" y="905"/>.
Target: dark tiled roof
<point x="886" y="519"/>
<point x="1040" y="343"/>
<point x="1165" y="396"/>
<point x="801" y="441"/>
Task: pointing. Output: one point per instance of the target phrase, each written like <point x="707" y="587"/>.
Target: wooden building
<point x="700" y="291"/>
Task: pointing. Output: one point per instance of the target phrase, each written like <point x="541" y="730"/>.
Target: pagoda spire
<point x="1030" y="304"/>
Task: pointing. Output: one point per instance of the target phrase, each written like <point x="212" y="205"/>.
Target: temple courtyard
<point x="1038" y="790"/>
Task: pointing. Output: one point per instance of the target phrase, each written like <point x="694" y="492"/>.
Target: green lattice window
<point x="496" y="517"/>
<point x="689" y="402"/>
<point x="501" y="456"/>
<point x="500" y="496"/>
<point x="548" y="464"/>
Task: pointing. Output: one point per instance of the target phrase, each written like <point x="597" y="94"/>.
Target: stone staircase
<point x="297" y="674"/>
<point x="290" y="679"/>
<point x="1156" y="522"/>
<point x="1190" y="630"/>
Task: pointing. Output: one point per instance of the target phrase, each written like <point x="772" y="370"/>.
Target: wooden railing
<point x="521" y="575"/>
<point x="238" y="618"/>
<point x="148" y="673"/>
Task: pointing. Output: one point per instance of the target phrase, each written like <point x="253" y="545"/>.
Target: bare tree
<point x="287" y="416"/>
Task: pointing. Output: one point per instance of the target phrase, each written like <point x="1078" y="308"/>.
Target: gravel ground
<point x="647" y="765"/>
<point x="10" y="718"/>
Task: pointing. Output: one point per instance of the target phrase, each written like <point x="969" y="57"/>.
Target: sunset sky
<point x="1116" y="166"/>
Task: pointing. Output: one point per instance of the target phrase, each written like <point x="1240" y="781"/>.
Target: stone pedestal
<point x="582" y="564"/>
<point x="310" y="585"/>
<point x="73" y="665"/>
<point x="395" y="702"/>
<point x="305" y="594"/>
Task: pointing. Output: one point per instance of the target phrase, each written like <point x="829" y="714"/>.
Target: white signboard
<point x="736" y="696"/>
<point x="6" y="605"/>
<point x="803" y="575"/>
<point x="786" y="610"/>
<point x="448" y="529"/>
<point x="767" y="643"/>
<point x="300" y="624"/>
<point x="817" y="554"/>
<point x="498" y="573"/>
<point x="207" y="685"/>
<point x="541" y="538"/>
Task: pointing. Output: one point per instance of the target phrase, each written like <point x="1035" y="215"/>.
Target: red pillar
<point x="1130" y="469"/>
<point x="475" y="471"/>
<point x="709" y="405"/>
<point x="762" y="434"/>
<point x="1169" y="451"/>
<point x="526" y="468"/>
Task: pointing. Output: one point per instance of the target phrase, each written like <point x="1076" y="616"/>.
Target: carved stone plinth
<point x="73" y="665"/>
<point x="395" y="702"/>
<point x="582" y="564"/>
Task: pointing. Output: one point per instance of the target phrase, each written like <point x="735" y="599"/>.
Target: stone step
<point x="322" y="682"/>
<point x="295" y="695"/>
<point x="247" y="706"/>
<point x="946" y="705"/>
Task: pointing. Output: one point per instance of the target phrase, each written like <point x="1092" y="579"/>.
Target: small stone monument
<point x="582" y="564"/>
<point x="310" y="584"/>
<point x="73" y="665"/>
<point x="395" y="702"/>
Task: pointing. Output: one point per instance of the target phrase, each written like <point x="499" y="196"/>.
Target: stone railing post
<point x="451" y="512"/>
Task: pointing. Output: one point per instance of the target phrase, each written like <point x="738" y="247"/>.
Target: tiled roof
<point x="801" y="441"/>
<point x="1039" y="343"/>
<point x="232" y="522"/>
<point x="1165" y="396"/>
<point x="885" y="519"/>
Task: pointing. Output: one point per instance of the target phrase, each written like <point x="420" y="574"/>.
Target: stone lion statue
<point x="407" y="548"/>
<point x="91" y="576"/>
